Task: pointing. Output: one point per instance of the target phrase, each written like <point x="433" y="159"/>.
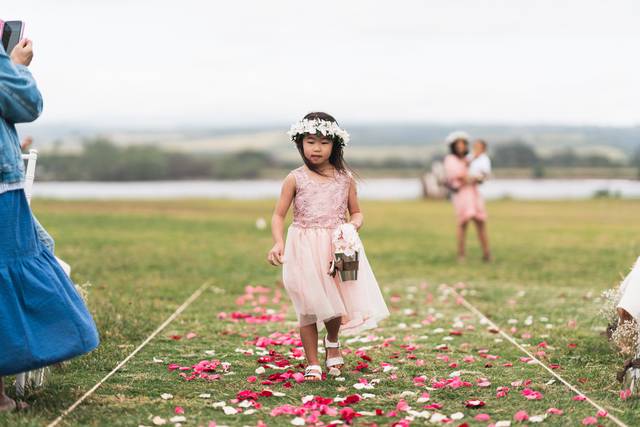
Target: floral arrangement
<point x="608" y="305"/>
<point x="624" y="335"/>
<point x="346" y="240"/>
<point x="83" y="290"/>
<point x="346" y="245"/>
<point x="315" y="126"/>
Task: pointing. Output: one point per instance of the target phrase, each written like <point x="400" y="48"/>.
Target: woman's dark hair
<point x="452" y="148"/>
<point x="336" y="158"/>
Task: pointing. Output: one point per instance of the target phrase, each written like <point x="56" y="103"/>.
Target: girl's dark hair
<point x="336" y="158"/>
<point x="452" y="148"/>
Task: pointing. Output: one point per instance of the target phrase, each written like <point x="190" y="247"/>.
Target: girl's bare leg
<point x="481" y="226"/>
<point x="309" y="337"/>
<point x="333" y="328"/>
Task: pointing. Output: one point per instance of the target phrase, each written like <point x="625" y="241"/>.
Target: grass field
<point x="552" y="260"/>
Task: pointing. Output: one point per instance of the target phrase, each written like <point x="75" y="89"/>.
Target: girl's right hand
<point x="275" y="256"/>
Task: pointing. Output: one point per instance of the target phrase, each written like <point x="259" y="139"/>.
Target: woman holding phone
<point x="44" y="320"/>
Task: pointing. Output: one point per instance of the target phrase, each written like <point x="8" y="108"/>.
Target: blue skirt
<point x="43" y="319"/>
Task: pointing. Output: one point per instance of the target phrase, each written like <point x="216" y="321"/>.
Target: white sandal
<point x="313" y="371"/>
<point x="333" y="362"/>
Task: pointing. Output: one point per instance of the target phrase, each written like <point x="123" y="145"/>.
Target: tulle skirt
<point x="43" y="319"/>
<point x="317" y="297"/>
<point x="630" y="290"/>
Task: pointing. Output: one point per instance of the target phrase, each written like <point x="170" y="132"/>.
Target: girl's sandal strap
<point x="313" y="371"/>
<point x="329" y="344"/>
<point x="334" y="366"/>
<point x="334" y="361"/>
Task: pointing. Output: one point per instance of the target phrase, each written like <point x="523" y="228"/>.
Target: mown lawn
<point x="552" y="260"/>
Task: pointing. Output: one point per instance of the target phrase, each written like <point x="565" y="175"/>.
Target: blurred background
<point x="159" y="92"/>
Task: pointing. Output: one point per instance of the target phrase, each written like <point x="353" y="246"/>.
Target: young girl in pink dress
<point x="467" y="201"/>
<point x="323" y="193"/>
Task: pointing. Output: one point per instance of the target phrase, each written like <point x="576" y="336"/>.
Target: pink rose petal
<point x="521" y="416"/>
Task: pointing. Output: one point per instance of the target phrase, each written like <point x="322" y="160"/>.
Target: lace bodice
<point x="320" y="204"/>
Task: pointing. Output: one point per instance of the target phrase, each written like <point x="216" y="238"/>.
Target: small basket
<point x="346" y="265"/>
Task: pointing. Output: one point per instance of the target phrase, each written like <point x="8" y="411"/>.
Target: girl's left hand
<point x="356" y="225"/>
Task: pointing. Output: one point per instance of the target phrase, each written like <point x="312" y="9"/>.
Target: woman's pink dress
<point x="467" y="200"/>
<point x="318" y="208"/>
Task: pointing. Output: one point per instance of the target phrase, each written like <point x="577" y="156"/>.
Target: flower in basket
<point x="346" y="244"/>
<point x="346" y="240"/>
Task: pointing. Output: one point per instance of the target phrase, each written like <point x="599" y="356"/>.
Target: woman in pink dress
<point x="467" y="201"/>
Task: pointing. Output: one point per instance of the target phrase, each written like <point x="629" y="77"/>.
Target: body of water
<point x="372" y="189"/>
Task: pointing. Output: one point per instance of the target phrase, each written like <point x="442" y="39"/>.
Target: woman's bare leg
<point x="481" y="226"/>
<point x="6" y="403"/>
<point x="460" y="234"/>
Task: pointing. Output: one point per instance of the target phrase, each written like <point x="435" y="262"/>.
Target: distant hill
<point x="368" y="140"/>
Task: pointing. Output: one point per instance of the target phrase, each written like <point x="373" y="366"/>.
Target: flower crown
<point x="324" y="127"/>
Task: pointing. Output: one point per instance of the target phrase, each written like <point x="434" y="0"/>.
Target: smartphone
<point x="12" y="32"/>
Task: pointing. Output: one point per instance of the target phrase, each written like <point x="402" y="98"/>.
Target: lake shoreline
<point x="369" y="189"/>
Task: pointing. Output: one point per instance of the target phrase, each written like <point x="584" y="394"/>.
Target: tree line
<point x="102" y="160"/>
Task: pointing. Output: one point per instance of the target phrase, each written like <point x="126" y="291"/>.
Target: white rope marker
<point x="171" y="318"/>
<point x="508" y="337"/>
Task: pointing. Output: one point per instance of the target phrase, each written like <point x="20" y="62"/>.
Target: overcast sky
<point x="167" y="63"/>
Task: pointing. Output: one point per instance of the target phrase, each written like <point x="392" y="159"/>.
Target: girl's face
<point x="317" y="148"/>
<point x="460" y="147"/>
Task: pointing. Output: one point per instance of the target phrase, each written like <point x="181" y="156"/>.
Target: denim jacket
<point x="20" y="102"/>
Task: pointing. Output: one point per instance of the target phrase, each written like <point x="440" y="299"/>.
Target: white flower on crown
<point x="314" y="126"/>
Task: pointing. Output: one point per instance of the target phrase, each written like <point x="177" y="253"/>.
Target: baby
<point x="479" y="162"/>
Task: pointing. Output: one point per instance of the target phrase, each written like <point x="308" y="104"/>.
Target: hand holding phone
<point x="22" y="53"/>
<point x="12" y="32"/>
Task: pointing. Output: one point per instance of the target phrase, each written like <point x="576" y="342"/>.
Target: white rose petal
<point x="457" y="416"/>
<point x="178" y="419"/>
<point x="158" y="421"/>
<point x="245" y="404"/>
<point x="204" y="396"/>
<point x="166" y="396"/>
<point x="420" y="414"/>
<point x="229" y="410"/>
<point x="437" y="418"/>
<point x="298" y="421"/>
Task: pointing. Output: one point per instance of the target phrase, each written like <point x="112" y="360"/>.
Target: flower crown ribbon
<point x="314" y="126"/>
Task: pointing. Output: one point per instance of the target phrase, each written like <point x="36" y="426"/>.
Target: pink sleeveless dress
<point x="467" y="201"/>
<point x="318" y="208"/>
